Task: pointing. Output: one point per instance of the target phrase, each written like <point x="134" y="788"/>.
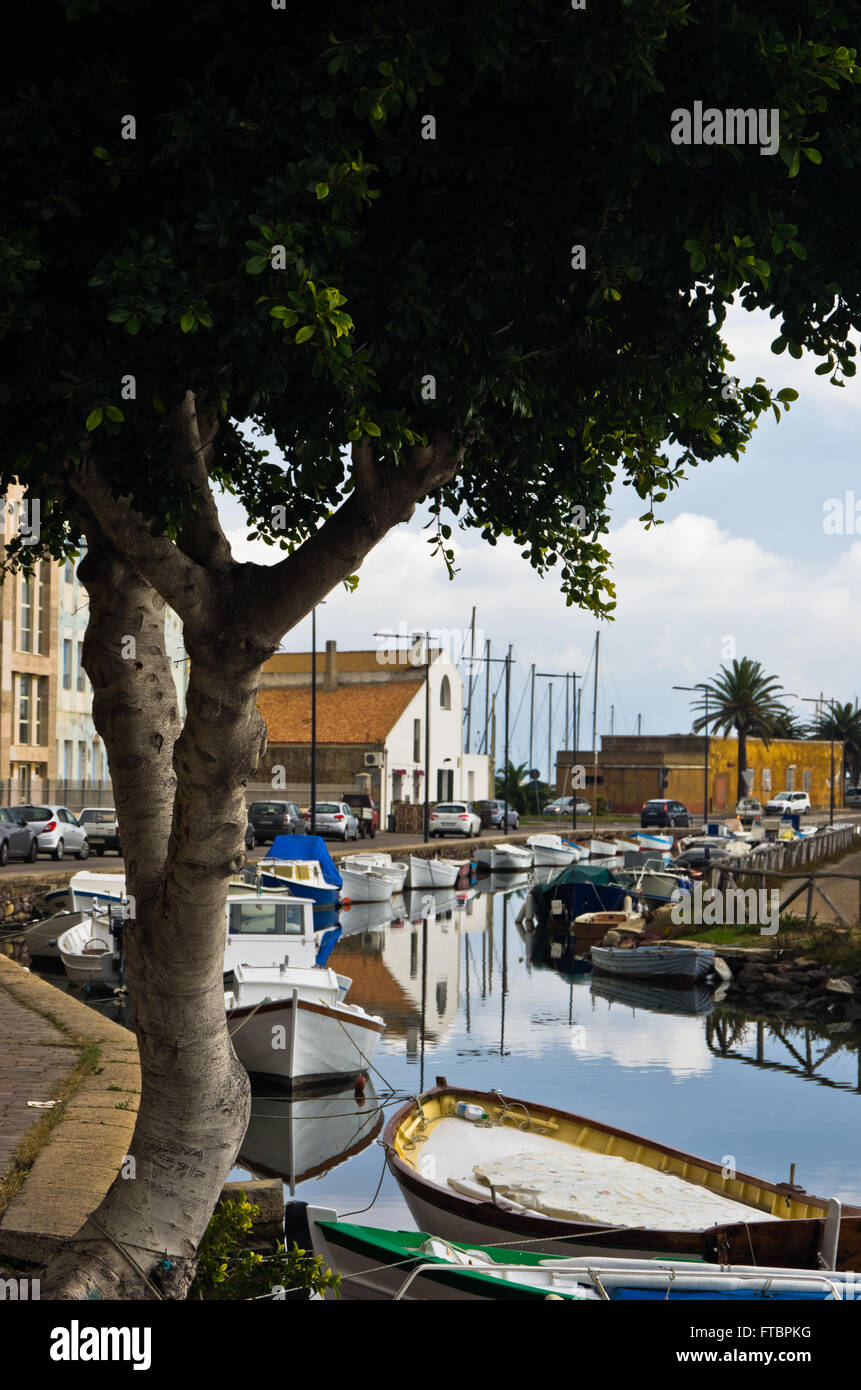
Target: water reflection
<point x="297" y="1140"/>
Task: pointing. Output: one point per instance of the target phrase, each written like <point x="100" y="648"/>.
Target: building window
<point x="28" y="588"/>
<point x="790" y="779"/>
<point x="67" y="664"/>
<point x="41" y="709"/>
<point x="445" y="693"/>
<point x="67" y="761"/>
<point x="82" y="679"/>
<point x="25" y="698"/>
<point x="766" y="779"/>
<point x="417" y="740"/>
<point x="805" y="780"/>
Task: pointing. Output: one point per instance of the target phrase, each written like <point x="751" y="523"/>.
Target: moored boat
<point x="549" y="851"/>
<point x="363" y="883"/>
<point x="433" y="873"/>
<point x="651" y="841"/>
<point x="654" y="962"/>
<point x="393" y="869"/>
<point x="83" y="946"/>
<point x="302" y="864"/>
<point x="567" y="1183"/>
<point x="377" y="1264"/>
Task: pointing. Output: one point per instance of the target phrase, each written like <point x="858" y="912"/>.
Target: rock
<point x="841" y="986"/>
<point x="804" y="962"/>
<point x="852" y="1012"/>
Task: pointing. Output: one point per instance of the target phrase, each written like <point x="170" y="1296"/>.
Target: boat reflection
<point x="300" y="1139"/>
<point x="657" y="999"/>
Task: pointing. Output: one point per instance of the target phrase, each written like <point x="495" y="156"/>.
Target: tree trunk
<point x="181" y="806"/>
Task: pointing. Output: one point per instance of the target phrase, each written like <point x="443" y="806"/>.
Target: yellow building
<point x="632" y="770"/>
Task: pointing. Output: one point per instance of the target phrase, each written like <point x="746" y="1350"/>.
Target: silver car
<point x="334" y="818"/>
<point x="57" y="829"/>
<point x="454" y="818"/>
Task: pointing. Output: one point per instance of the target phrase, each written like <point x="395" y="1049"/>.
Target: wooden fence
<point x="782" y="862"/>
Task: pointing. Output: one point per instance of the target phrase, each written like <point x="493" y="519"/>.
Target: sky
<point x="756" y="558"/>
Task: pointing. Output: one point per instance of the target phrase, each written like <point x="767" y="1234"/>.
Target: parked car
<point x="18" y="840"/>
<point x="454" y="818"/>
<point x="102" y="827"/>
<point x="57" y="829"/>
<point x="496" y="811"/>
<point x="702" y="856"/>
<point x="250" y="837"/>
<point x="366" y="809"/>
<point x="749" y="810"/>
<point x="788" y="803"/>
<point x="335" y="818"/>
<point x="661" y="812"/>
<point x="852" y="796"/>
<point x="564" y="805"/>
<point x="271" y="818"/>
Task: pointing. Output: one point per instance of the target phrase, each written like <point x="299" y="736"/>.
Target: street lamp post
<point x="314" y="720"/>
<point x="809" y="700"/>
<point x="701" y="685"/>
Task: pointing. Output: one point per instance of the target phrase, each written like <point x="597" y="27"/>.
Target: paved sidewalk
<point x="43" y="1033"/>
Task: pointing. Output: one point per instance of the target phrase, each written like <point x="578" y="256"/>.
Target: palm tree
<point x="786" y="725"/>
<point x="518" y="777"/>
<point x="742" y="697"/>
<point x="843" y="724"/>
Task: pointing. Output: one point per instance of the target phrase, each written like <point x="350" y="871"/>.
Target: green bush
<point x="228" y="1269"/>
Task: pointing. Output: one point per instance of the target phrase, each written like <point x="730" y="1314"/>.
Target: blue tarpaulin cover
<point x="305" y="847"/>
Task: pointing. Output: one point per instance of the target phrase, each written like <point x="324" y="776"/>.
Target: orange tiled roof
<point x="351" y="714"/>
<point x="347" y="661"/>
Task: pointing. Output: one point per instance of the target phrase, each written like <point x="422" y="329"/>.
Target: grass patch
<point x="839" y="949"/>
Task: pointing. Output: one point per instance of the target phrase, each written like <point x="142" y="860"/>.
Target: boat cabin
<point x="267" y="931"/>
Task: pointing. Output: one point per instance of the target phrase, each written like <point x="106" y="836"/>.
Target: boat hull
<point x="301" y="1044"/>
<point x="366" y="887"/>
<point x="433" y="873"/>
<point x="653" y="962"/>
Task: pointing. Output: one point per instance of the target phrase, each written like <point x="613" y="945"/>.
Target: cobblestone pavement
<point x="33" y="1056"/>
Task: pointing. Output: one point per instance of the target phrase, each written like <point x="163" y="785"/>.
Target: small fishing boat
<point x="393" y="869"/>
<point x="505" y="858"/>
<point x="83" y="946"/>
<point x="599" y="849"/>
<point x="654" y="962"/>
<point x="363" y="883"/>
<point x="562" y="1183"/>
<point x="658" y="883"/>
<point x="433" y="873"/>
<point x="549" y="851"/>
<point x="648" y="840"/>
<point x="378" y="1265"/>
<point x="593" y="926"/>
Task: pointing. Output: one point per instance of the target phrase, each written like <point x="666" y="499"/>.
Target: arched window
<point x="445" y="693"/>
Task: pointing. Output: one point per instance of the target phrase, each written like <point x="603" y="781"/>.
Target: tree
<point x="843" y="724"/>
<point x="744" y="699"/>
<point x="518" y="782"/>
<point x="786" y="725"/>
<point x="456" y="259"/>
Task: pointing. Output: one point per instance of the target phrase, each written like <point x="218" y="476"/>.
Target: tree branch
<point x="201" y="537"/>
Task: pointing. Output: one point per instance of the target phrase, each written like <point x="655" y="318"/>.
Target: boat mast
<point x="594" y="741"/>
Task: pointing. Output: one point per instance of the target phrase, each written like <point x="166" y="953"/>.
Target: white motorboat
<point x="87" y="888"/>
<point x="362" y="883"/>
<point x="648" y="840"/>
<point x="600" y="849"/>
<point x="83" y="946"/>
<point x="263" y="931"/>
<point x="550" y="851"/>
<point x="291" y="1025"/>
<point x="433" y="873"/>
<point x="395" y="869"/>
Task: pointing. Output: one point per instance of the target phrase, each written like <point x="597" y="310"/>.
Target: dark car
<point x="702" y="856"/>
<point x="664" y="812"/>
<point x="102" y="827"/>
<point x="496" y="812"/>
<point x="366" y="811"/>
<point x="271" y="818"/>
<point x="18" y="840"/>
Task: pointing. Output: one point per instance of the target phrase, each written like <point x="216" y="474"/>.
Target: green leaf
<point x="305" y="333"/>
<point x="813" y="155"/>
<point x="386" y="69"/>
<point x="779" y="344"/>
<point x="787" y="394"/>
<point x="370" y="428"/>
<point x="795" y="351"/>
<point x="326" y="107"/>
<point x="118" y="315"/>
<point x="188" y="321"/>
<point x="101" y="153"/>
<point x="377" y="112"/>
<point x="824" y="368"/>
<point x="322" y="190"/>
<point x="133" y="324"/>
<point x="94" y="419"/>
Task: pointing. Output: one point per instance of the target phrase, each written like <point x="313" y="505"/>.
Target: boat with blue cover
<point x="302" y="865"/>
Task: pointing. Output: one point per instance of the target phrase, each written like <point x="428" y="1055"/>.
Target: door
<point x="720" y="791"/>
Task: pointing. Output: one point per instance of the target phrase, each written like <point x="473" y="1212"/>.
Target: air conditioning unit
<point x="373" y="760"/>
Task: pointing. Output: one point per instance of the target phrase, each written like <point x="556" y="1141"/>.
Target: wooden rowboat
<point x="566" y="1183"/>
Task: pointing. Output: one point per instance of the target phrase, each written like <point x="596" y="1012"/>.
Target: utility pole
<point x="639" y="724"/>
<point x="595" y="741"/>
<point x="565" y="740"/>
<point x="486" y="692"/>
<point x="471" y="665"/>
<point x="314" y="720"/>
<point x="612" y="718"/>
<point x="427" y="740"/>
<point x="507" y="703"/>
<point x="531" y="714"/>
<point x="550" y="738"/>
<point x="573" y="749"/>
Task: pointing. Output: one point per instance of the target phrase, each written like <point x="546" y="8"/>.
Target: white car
<point x="788" y="803"/>
<point x="58" y="830"/>
<point x="454" y="818"/>
<point x="334" y="818"/>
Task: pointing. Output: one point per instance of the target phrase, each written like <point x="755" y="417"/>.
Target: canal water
<point x="463" y="998"/>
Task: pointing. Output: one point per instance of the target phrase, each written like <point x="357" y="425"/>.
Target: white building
<point x="374" y="711"/>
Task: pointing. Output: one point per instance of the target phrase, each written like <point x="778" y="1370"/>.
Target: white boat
<point x="86" y="888"/>
<point x="291" y="1025"/>
<point x="362" y="883"/>
<point x="598" y="849"/>
<point x="551" y="850"/>
<point x="656" y="842"/>
<point x="433" y="873"/>
<point x="504" y="858"/>
<point x="659" y="883"/>
<point x="627" y="847"/>
<point x="83" y="946"/>
<point x="265" y="930"/>
<point x="650" y="962"/>
<point x="395" y="869"/>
